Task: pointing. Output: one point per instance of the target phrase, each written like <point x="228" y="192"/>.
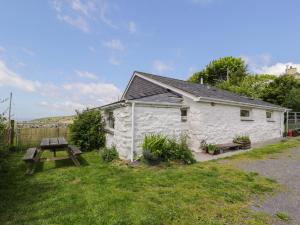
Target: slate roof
<point x="200" y="90"/>
<point x="143" y="90"/>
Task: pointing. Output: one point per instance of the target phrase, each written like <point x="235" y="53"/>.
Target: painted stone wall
<point x="120" y="136"/>
<point x="221" y="123"/>
<point x="153" y="119"/>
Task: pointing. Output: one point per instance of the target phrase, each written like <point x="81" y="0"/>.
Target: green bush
<point x="157" y="147"/>
<point x="87" y="130"/>
<point x="109" y="154"/>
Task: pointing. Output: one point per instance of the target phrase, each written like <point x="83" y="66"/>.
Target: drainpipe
<point x="132" y="131"/>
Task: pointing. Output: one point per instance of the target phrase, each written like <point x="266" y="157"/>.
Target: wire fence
<point x="293" y="120"/>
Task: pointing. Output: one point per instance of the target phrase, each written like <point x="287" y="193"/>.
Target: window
<point x="245" y="114"/>
<point x="183" y="114"/>
<point x="269" y="115"/>
<point x="111" y="120"/>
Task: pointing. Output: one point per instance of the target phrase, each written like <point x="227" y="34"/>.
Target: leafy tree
<point x="292" y="100"/>
<point x="2" y="124"/>
<point x="87" y="130"/>
<point x="277" y="91"/>
<point x="251" y="85"/>
<point x="217" y="70"/>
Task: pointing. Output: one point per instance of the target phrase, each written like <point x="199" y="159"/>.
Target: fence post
<point x="11" y="133"/>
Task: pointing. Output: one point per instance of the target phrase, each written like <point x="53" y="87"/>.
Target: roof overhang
<point x="227" y="102"/>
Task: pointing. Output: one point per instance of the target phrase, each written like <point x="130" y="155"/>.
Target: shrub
<point x="87" y="130"/>
<point x="242" y="139"/>
<point x="110" y="154"/>
<point x="157" y="147"/>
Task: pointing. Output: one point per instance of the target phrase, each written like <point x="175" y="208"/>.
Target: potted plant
<point x="212" y="149"/>
<point x="243" y="140"/>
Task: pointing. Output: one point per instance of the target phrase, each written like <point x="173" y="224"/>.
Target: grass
<point x="283" y="216"/>
<point x="115" y="193"/>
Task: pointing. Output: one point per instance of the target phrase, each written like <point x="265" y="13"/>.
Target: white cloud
<point x="85" y="74"/>
<point x="161" y="67"/>
<point x="11" y="79"/>
<point x="2" y="49"/>
<point x="261" y="64"/>
<point x="104" y="11"/>
<point x="68" y="96"/>
<point x="278" y="68"/>
<point x="114" y="61"/>
<point x="97" y="92"/>
<point x="67" y="106"/>
<point x="28" y="51"/>
<point x="114" y="44"/>
<point x="92" y="49"/>
<point x="82" y="14"/>
<point x="78" y="22"/>
<point x="85" y="8"/>
<point x="131" y="27"/>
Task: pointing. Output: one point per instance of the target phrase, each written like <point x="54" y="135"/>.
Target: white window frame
<point x="246" y="118"/>
<point x="184" y="118"/>
<point x="110" y="120"/>
<point x="271" y="119"/>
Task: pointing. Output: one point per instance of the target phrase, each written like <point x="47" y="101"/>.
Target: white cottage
<point x="156" y="104"/>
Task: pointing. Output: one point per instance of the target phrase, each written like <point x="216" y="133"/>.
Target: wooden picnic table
<point x="54" y="144"/>
<point x="33" y="155"/>
<point x="60" y="143"/>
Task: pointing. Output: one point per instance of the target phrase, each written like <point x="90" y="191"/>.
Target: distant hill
<point x="55" y="119"/>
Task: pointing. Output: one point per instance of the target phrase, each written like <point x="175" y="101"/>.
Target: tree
<point x="292" y="100"/>
<point x="277" y="91"/>
<point x="2" y="125"/>
<point x="217" y="71"/>
<point x="251" y="85"/>
<point x="87" y="130"/>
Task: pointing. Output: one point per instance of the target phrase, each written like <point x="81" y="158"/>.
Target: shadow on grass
<point x="18" y="191"/>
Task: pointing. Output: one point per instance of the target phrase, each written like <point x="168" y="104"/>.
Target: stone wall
<point x="221" y="123"/>
<point x="154" y="119"/>
<point x="120" y="136"/>
<point x="216" y="124"/>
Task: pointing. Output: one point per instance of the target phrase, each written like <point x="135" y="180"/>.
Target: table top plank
<point x="52" y="143"/>
<point x="44" y="142"/>
<point x="62" y="141"/>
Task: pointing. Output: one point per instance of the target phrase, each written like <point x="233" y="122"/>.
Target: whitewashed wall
<point x="121" y="134"/>
<point x="221" y="123"/>
<point x="216" y="124"/>
<point x="153" y="119"/>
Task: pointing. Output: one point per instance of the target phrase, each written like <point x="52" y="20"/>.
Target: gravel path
<point x="285" y="168"/>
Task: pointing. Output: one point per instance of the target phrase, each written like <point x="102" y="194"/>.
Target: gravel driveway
<point x="284" y="168"/>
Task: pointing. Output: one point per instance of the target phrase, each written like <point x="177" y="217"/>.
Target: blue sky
<point x="57" y="56"/>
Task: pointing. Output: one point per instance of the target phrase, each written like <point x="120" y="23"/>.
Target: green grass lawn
<point x="99" y="193"/>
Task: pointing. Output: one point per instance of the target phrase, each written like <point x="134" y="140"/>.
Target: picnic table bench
<point x="32" y="155"/>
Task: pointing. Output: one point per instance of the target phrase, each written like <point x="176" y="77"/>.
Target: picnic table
<point x="33" y="155"/>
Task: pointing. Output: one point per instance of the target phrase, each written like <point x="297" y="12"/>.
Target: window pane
<point x="111" y="120"/>
<point x="183" y="112"/>
<point x="269" y="115"/>
<point x="245" y="113"/>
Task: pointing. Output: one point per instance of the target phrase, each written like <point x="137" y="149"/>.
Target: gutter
<point x="161" y="104"/>
<point x="228" y="102"/>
